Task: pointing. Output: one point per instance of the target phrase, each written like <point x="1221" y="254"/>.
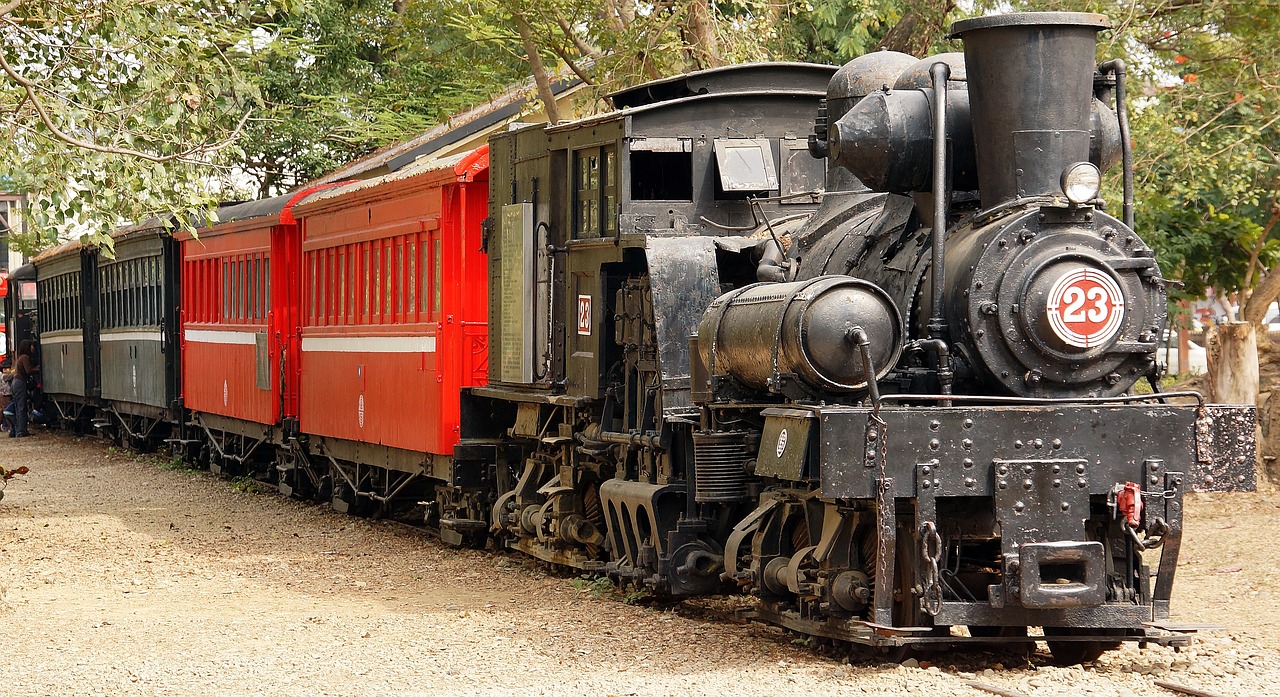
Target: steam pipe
<point x="1117" y="66"/>
<point x="940" y="72"/>
<point x="943" y="354"/>
<point x="859" y="337"/>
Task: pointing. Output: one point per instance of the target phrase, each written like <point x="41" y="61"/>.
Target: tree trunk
<point x="918" y="28"/>
<point x="700" y="27"/>
<point x="541" y="77"/>
<point x="1233" y="364"/>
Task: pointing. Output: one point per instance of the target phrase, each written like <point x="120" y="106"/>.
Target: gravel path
<point x="119" y="576"/>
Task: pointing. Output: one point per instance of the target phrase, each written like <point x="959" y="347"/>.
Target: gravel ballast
<point x="120" y="576"/>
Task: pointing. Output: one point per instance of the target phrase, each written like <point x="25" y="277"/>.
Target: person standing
<point x="23" y="368"/>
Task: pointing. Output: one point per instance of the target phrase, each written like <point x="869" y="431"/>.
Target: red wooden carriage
<point x="394" y="302"/>
<point x="240" y="317"/>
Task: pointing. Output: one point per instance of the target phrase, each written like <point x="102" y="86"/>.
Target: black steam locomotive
<point x="908" y="411"/>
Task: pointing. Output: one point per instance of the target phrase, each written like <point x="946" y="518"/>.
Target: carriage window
<point x="253" y="289"/>
<point x="411" y="276"/>
<point x="399" y="278"/>
<point x="386" y="282"/>
<point x="435" y="271"/>
<point x="745" y="166"/>
<point x="344" y="270"/>
<point x="424" y="248"/>
<point x="366" y="288"/>
<point x="311" y="271"/>
<point x="266" y="284"/>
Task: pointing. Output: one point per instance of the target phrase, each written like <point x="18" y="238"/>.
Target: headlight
<point x="1081" y="182"/>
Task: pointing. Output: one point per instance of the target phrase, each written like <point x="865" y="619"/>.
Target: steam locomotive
<point x="879" y="371"/>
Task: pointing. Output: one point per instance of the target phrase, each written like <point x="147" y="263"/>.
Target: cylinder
<point x="855" y="80"/>
<point x="1030" y="96"/>
<point x="862" y="76"/>
<point x="768" y="334"/>
<point x="886" y="140"/>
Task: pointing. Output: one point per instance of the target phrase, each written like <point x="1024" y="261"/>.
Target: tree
<point x="347" y="77"/>
<point x="114" y="110"/>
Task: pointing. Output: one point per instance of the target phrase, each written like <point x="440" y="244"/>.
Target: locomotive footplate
<point x="872" y="634"/>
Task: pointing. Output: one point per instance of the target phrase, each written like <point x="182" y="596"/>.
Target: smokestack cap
<point x="1076" y="19"/>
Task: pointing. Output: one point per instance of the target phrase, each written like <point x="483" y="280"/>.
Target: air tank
<point x="767" y="334"/>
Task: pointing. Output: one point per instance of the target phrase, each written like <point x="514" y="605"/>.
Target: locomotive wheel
<point x="1069" y="653"/>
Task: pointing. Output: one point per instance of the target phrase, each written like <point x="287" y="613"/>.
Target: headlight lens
<point x="1081" y="182"/>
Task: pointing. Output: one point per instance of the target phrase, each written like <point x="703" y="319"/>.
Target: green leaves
<point x="104" y="114"/>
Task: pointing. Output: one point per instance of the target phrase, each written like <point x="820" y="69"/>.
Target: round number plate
<point x="1085" y="308"/>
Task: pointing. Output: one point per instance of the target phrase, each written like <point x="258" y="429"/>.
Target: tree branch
<point x="583" y="47"/>
<point x="29" y="88"/>
<point x="564" y="56"/>
<point x="540" y="76"/>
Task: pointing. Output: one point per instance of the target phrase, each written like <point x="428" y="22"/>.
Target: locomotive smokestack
<point x="1030" y="94"/>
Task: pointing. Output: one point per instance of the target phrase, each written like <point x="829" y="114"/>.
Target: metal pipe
<point x="635" y="438"/>
<point x="940" y="72"/>
<point x="943" y="353"/>
<point x="1117" y="66"/>
<point x="859" y="337"/>
<point x="1036" y="401"/>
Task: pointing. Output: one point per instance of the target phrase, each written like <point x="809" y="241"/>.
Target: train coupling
<point x="1053" y="575"/>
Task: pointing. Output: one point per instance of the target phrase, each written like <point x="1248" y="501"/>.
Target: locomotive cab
<point x="608" y="238"/>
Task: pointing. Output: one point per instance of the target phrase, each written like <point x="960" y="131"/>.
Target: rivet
<point x="970" y="482"/>
<point x="1038" y="443"/>
<point x="1019" y="506"/>
<point x="967" y="423"/>
<point x="968" y="463"/>
<point x="1057" y="469"/>
<point x="934" y="444"/>
<point x="1057" y="483"/>
<point x="1002" y="470"/>
<point x="925" y="484"/>
<point x="1027" y="468"/>
<point x="1082" y="482"/>
<point x="1154" y="479"/>
<point x="1003" y="484"/>
<point x="935" y="425"/>
<point x="1079" y="469"/>
<point x="1155" y="466"/>
<point x="872" y="435"/>
<point x="1027" y="484"/>
<point x="1066" y="506"/>
<point x="967" y="444"/>
<point x="1057" y="444"/>
<point x="1017" y="444"/>
<point x="927" y="470"/>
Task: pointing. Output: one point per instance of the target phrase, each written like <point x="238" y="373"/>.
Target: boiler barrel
<point x="804" y="330"/>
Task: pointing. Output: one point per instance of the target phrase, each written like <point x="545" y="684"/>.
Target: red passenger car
<point x="394" y="301"/>
<point x="240" y="327"/>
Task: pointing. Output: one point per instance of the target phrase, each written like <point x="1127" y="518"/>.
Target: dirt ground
<point x="120" y="576"/>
